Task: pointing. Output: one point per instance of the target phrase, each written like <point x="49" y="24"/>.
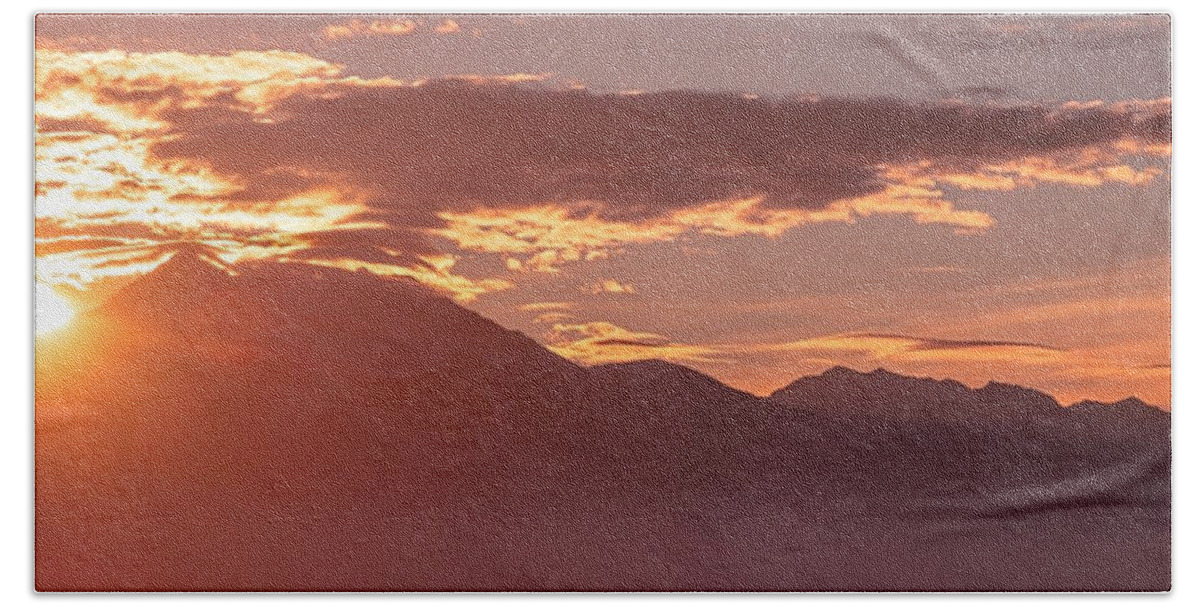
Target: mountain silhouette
<point x="843" y="392"/>
<point x="275" y="426"/>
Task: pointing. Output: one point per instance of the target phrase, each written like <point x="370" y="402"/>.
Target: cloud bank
<point x="282" y="154"/>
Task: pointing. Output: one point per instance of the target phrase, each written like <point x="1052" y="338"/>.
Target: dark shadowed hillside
<point x="283" y="426"/>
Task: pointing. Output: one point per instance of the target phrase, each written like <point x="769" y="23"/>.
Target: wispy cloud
<point x="611" y="286"/>
<point x="546" y="306"/>
<point x="447" y="26"/>
<point x="600" y="342"/>
<point x="433" y="271"/>
<point x="1070" y="374"/>
<point x="376" y="27"/>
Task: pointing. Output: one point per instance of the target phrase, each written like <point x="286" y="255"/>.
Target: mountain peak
<point x="655" y="370"/>
<point x="879" y="373"/>
<point x="654" y="379"/>
<point x="192" y="273"/>
<point x="1013" y="393"/>
<point x="192" y="258"/>
<point x="1132" y="401"/>
<point x="881" y="392"/>
<point x="839" y="371"/>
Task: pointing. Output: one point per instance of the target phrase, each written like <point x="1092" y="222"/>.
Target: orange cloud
<point x="1133" y="147"/>
<point x="484" y="79"/>
<point x="101" y="185"/>
<point x="601" y="342"/>
<point x="98" y="116"/>
<point x="611" y="286"/>
<point x="132" y="92"/>
<point x="546" y="306"/>
<point x="447" y="26"/>
<point x="376" y="27"/>
<point x="1090" y="165"/>
<point x="1084" y="171"/>
<point x="549" y="312"/>
<point x="434" y="271"/>
<point x="547" y="237"/>
<point x="79" y="269"/>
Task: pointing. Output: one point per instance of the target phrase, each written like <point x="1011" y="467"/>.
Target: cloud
<point x="287" y="155"/>
<point x="549" y="313"/>
<point x="887" y="345"/>
<point x="357" y="28"/>
<point x="560" y="173"/>
<point x="82" y="267"/>
<point x="903" y="352"/>
<point x="546" y="237"/>
<point x="433" y="271"/>
<point x="1111" y="372"/>
<point x="106" y="206"/>
<point x="130" y="92"/>
<point x="447" y="26"/>
<point x="546" y="306"/>
<point x="611" y="286"/>
<point x="459" y="146"/>
<point x="601" y="342"/>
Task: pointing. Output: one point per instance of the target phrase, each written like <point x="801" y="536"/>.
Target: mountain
<point x="1003" y="440"/>
<point x="283" y="426"/>
<point x="881" y="400"/>
<point x="844" y="393"/>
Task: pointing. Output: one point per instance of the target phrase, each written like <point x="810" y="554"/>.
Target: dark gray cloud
<point x="455" y="145"/>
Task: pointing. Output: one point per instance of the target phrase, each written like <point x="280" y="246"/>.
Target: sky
<point x="758" y="197"/>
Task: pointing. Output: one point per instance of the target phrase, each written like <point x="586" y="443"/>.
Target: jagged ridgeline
<point x="284" y="426"/>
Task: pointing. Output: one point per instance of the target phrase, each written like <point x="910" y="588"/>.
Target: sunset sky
<point x="757" y="197"/>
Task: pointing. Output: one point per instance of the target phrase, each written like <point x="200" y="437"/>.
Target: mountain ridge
<point x="194" y="266"/>
<point x="292" y="427"/>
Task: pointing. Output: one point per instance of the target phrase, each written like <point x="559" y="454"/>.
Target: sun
<point x="52" y="311"/>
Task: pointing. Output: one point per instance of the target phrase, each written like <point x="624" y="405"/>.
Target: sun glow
<point x="52" y="310"/>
